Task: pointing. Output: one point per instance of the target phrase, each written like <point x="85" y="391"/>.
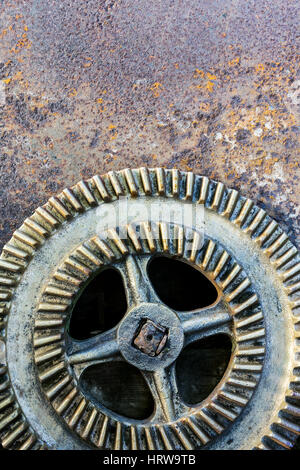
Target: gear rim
<point x="260" y="227"/>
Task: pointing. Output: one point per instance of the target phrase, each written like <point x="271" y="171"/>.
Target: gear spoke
<point x="137" y="285"/>
<point x="163" y="386"/>
<point x="100" y="348"/>
<point x="205" y="322"/>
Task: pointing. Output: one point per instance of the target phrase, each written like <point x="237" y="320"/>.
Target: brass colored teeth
<point x="133" y="189"/>
<point x="100" y="185"/>
<point x="145" y="181"/>
<point x="77" y="413"/>
<point x="54" y="304"/>
<point x="118" y="438"/>
<point x="176" y="182"/>
<point x="59" y="207"/>
<point x="203" y="190"/>
<point x="65" y="403"/>
<point x="231" y="203"/>
<point x="90" y="423"/>
<point x="103" y="432"/>
<point x="181" y="436"/>
<point x="72" y="199"/>
<point x="160" y="179"/>
<point x="218" y="196"/>
<point x="197" y="431"/>
<point x="85" y="191"/>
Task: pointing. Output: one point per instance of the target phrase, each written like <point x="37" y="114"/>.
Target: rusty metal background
<point x="87" y="86"/>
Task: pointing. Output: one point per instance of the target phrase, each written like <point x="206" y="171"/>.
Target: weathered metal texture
<point x="88" y="86"/>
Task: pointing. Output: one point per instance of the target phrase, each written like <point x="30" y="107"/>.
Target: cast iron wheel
<point x="50" y="396"/>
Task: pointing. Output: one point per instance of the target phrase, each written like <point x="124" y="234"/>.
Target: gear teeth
<point x="196" y="245"/>
<point x="147" y="232"/>
<point x="291" y="289"/>
<point x="115" y="182"/>
<point x="164" y="236"/>
<point x="221" y="263"/>
<point x="133" y="438"/>
<point x="6" y="402"/>
<point x="248" y="367"/>
<point x="36" y="228"/>
<point x="103" y="433"/>
<point x="59" y="207"/>
<point x="208" y="254"/>
<point x="189" y="186"/>
<point x="181" y="436"/>
<point x="48" y="354"/>
<point x="84" y="189"/>
<point x="118" y="242"/>
<point x="16" y="252"/>
<point x="79" y="267"/>
<point x="10" y="266"/>
<point x="231" y="276"/>
<point x="51" y="371"/>
<point x="290" y="253"/>
<point x="118" y="437"/>
<point x="248" y="303"/>
<point x="255" y="223"/>
<point x="238" y="290"/>
<point x="13" y="435"/>
<point x="295" y="269"/>
<point x="144" y="173"/>
<point x="56" y="297"/>
<point x="218" y="196"/>
<point x="249" y="320"/>
<point x="47" y="218"/>
<point x="49" y="339"/>
<point x="180" y="241"/>
<point x="67" y="278"/>
<point x="52" y="307"/>
<point x="244" y="212"/>
<point x="101" y="188"/>
<point x="9" y="418"/>
<point x="233" y="398"/>
<point x="254" y="334"/>
<point x="58" y="387"/>
<point x="251" y="351"/>
<point x="66" y="402"/>
<point x="131" y="182"/>
<point x="241" y="383"/>
<point x="280" y="440"/>
<point x="26" y="239"/>
<point x="203" y="190"/>
<point x="28" y="443"/>
<point x="89" y="424"/>
<point x="201" y="435"/>
<point x="72" y="200"/>
<point x="223" y="411"/>
<point x="77" y="413"/>
<point x="212" y="424"/>
<point x="134" y="238"/>
<point x="175" y="182"/>
<point x="89" y="255"/>
<point x="267" y="232"/>
<point x="231" y="203"/>
<point x="160" y="180"/>
<point x="52" y="290"/>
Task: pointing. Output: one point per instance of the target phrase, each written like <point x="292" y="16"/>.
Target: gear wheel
<point x="54" y="256"/>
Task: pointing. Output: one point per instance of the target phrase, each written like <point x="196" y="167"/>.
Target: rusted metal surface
<point x="89" y="86"/>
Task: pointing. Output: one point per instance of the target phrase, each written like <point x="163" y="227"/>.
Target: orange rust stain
<point x="234" y="62"/>
<point x="156" y="88"/>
